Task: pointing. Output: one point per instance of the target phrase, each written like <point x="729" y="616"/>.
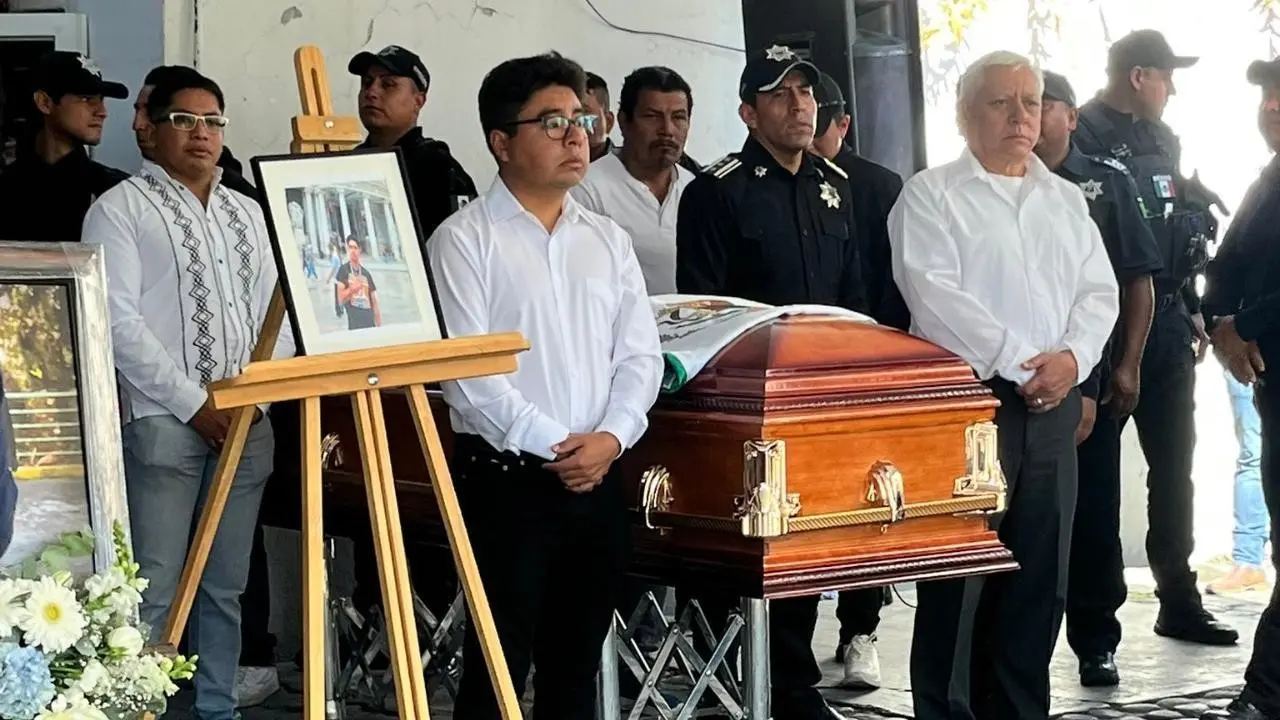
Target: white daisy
<point x="54" y="620"/>
<point x="11" y="610"/>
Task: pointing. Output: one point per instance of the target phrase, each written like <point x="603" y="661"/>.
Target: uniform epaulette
<point x="722" y="167"/>
<point x="835" y="168"/>
<point x="1110" y="162"/>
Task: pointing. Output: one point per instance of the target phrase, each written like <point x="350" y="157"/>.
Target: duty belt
<point x="1164" y="302"/>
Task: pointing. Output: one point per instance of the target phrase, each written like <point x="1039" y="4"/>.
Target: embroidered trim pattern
<point x="195" y="270"/>
<point x="244" y="249"/>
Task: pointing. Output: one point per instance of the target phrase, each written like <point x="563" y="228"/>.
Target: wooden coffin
<point x="810" y="454"/>
<point x="817" y="453"/>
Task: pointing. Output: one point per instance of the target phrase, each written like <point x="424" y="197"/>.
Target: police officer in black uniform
<point x="873" y="189"/>
<point x="1242" y="304"/>
<point x="54" y="168"/>
<point x="773" y="223"/>
<point x="1111" y="392"/>
<point x="393" y="90"/>
<point x="1124" y="122"/>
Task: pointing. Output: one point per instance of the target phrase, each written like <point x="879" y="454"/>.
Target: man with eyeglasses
<point x="534" y="451"/>
<point x="393" y="91"/>
<point x="54" y="167"/>
<point x="232" y="169"/>
<point x="190" y="272"/>
<point x="775" y="224"/>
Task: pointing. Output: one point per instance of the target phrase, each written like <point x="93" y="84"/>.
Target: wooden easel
<point x="363" y="375"/>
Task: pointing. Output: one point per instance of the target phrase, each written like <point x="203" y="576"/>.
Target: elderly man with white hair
<point x="999" y="262"/>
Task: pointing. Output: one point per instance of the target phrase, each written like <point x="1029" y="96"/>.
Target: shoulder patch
<point x="834" y="168"/>
<point x="722" y="167"/>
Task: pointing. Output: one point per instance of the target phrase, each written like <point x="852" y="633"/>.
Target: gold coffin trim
<point x="805" y="523"/>
<point x="766" y="509"/>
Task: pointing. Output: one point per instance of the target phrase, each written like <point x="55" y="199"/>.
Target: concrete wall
<point x="248" y="48"/>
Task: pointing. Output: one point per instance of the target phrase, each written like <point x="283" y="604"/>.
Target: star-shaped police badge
<point x="779" y="53"/>
<point x="88" y="64"/>
<point x="761" y="171"/>
<point x="829" y="195"/>
<point x="1092" y="189"/>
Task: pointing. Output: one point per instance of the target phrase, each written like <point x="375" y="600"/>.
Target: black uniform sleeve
<point x="1137" y="252"/>
<point x="1225" y="276"/>
<point x="887" y="305"/>
<point x="705" y="225"/>
<point x="854" y="279"/>
<point x="437" y="181"/>
<point x="1260" y="318"/>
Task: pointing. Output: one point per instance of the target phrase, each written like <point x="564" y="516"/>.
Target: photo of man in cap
<point x="393" y="91"/>
<point x="53" y="168"/>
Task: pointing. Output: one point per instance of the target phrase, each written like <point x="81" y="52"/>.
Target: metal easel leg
<point x="755" y="659"/>
<point x="334" y="706"/>
<point x="608" y="702"/>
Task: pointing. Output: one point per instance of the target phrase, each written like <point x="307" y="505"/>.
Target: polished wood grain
<point x="843" y="396"/>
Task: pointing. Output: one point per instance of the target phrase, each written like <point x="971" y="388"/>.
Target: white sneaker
<point x="861" y="664"/>
<point x="255" y="684"/>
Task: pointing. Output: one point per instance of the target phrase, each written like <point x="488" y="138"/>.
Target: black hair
<point x="597" y="86"/>
<point x="174" y="80"/>
<point x="507" y="88"/>
<point x="656" y="78"/>
<point x="162" y="73"/>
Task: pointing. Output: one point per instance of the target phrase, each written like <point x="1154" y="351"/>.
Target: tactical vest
<point x="1183" y="226"/>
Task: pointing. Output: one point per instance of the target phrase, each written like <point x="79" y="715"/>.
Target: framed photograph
<point x="60" y="410"/>
<point x="347" y="244"/>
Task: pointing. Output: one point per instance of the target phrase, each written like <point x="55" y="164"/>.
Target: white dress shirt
<point x="608" y="189"/>
<point x="576" y="294"/>
<point x="188" y="288"/>
<point x="999" y="271"/>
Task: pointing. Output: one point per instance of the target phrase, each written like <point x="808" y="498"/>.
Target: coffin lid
<point x="809" y="361"/>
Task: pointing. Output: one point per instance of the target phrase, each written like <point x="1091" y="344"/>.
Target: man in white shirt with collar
<point x="534" y="450"/>
<point x="190" y="273"/>
<point x="999" y="262"/>
<point x="639" y="186"/>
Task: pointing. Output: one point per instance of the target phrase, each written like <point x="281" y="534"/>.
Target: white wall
<point x="248" y="45"/>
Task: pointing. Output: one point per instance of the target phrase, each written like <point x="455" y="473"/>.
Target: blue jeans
<point x="1250" y="534"/>
<point x="168" y="472"/>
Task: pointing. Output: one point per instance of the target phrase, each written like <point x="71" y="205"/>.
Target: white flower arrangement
<point x="74" y="649"/>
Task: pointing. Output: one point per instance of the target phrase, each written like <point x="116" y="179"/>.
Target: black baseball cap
<point x="1057" y="88"/>
<point x="1264" y="72"/>
<point x="395" y="60"/>
<point x="63" y="72"/>
<point x="830" y="101"/>
<point x="766" y="70"/>
<point x="1145" y="48"/>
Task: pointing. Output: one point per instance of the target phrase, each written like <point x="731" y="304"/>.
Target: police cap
<point x="766" y="70"/>
<point x="1264" y="72"/>
<point x="396" y="61"/>
<point x="1145" y="48"/>
<point x="70" y="73"/>
<point x="830" y="102"/>
<point x="1057" y="88"/>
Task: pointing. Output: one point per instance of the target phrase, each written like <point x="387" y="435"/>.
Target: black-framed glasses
<point x="557" y="126"/>
<point x="187" y="122"/>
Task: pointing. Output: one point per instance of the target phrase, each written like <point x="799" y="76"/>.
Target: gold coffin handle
<point x="655" y="493"/>
<point x="885" y="486"/>
<point x="984" y="475"/>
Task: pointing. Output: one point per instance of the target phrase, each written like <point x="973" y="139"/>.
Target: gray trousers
<point x="982" y="646"/>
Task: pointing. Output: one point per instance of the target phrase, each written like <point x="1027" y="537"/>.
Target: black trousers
<point x="1165" y="418"/>
<point x="257" y="644"/>
<point x="859" y="612"/>
<point x="1262" y="676"/>
<point x="981" y="646"/>
<point x="794" y="671"/>
<point x="552" y="564"/>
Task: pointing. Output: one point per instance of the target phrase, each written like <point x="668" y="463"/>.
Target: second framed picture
<point x="346" y="243"/>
